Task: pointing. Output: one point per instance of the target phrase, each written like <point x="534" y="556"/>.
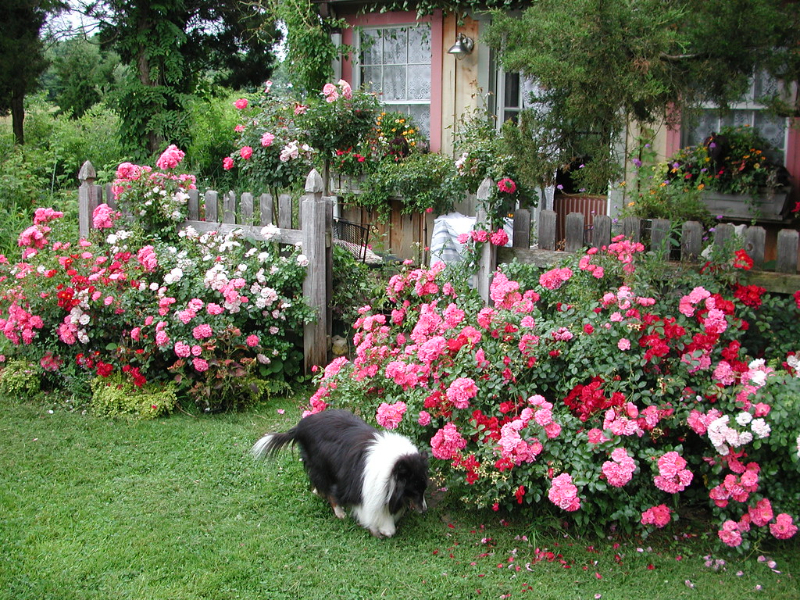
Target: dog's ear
<point x="396" y="501"/>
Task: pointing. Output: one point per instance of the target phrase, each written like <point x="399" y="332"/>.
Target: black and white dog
<point x="376" y="474"/>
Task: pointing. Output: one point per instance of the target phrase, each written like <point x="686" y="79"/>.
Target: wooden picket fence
<point x="783" y="279"/>
<point x="315" y="215"/>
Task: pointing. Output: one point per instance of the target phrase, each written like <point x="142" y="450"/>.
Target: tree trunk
<point x="18" y="113"/>
<point x="143" y="67"/>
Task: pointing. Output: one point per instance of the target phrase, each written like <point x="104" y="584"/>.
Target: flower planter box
<point x="771" y="205"/>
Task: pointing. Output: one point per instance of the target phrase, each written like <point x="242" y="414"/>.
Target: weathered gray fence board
<point x="267" y="211"/>
<point x="659" y="234"/>
<point x="522" y="229"/>
<point x="601" y="231"/>
<point x="787" y="251"/>
<point x="573" y="225"/>
<point x="547" y="230"/>
<point x="755" y="243"/>
<point x="785" y="279"/>
<point x="314" y="210"/>
<point x="246" y="208"/>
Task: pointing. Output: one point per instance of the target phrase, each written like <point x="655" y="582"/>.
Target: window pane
<point x="371" y="49"/>
<point x="419" y="82"/>
<point x="700" y="125"/>
<point x="394" y="83"/>
<point x="773" y="129"/>
<point x="511" y="97"/>
<point x="422" y="117"/>
<point x="371" y="78"/>
<point x="395" y="44"/>
<point x="764" y="85"/>
<point x="419" y="45"/>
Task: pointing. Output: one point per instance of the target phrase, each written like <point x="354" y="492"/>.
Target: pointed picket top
<point x="485" y="189"/>
<point x="87" y="172"/>
<point x="314" y="183"/>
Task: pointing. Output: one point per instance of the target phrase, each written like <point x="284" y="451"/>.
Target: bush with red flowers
<point x="216" y="316"/>
<point x="593" y="388"/>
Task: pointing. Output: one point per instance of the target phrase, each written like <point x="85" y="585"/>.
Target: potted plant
<point x="735" y="174"/>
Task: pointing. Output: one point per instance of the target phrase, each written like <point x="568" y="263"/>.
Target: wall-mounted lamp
<point x="462" y="47"/>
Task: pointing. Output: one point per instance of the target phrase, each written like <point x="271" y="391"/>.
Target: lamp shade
<point x="463" y="46"/>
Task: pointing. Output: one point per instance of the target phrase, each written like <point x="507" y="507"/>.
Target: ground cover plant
<point x="176" y="508"/>
<point x="599" y="389"/>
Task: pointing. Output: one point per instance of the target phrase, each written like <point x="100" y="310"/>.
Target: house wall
<point x="453" y="91"/>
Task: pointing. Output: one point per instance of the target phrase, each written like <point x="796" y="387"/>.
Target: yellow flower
<point x="701" y="186"/>
<point x="631" y="204"/>
<point x="623" y="183"/>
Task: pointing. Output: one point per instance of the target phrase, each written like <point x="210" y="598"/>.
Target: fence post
<point x="601" y="231"/>
<point x="632" y="228"/>
<point x="659" y="237"/>
<point x="488" y="259"/>
<point x="87" y="198"/>
<point x="755" y="242"/>
<point x="313" y="210"/>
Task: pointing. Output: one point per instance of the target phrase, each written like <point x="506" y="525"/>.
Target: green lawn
<point x="177" y="509"/>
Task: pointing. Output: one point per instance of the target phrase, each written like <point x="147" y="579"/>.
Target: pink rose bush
<point x="278" y="137"/>
<point x="212" y="315"/>
<point x="534" y="401"/>
<point x="158" y="199"/>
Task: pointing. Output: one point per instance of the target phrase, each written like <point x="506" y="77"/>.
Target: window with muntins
<point x="746" y="112"/>
<point x="396" y="62"/>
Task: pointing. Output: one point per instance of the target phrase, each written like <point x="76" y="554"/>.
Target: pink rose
<point x="390" y="415"/>
<point x="170" y="158"/>
<point x="241" y="103"/>
<point x="246" y="152"/>
<point x="227" y="163"/>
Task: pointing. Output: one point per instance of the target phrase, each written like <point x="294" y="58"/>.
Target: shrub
<point x="19" y="379"/>
<point x="196" y="310"/>
<point x="115" y="396"/>
<point x="596" y="390"/>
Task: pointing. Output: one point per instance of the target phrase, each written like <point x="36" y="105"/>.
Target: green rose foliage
<point x="599" y="391"/>
<point x="338" y="118"/>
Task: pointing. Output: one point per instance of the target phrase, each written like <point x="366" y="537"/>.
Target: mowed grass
<point x="176" y="509"/>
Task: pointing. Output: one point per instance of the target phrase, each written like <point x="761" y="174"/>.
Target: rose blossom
<point x="390" y="415"/>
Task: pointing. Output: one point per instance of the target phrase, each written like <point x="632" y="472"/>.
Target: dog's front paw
<point x="339" y="511"/>
<point x="384" y="531"/>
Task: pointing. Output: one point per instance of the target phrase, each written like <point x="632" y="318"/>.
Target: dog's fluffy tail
<point x="271" y="443"/>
